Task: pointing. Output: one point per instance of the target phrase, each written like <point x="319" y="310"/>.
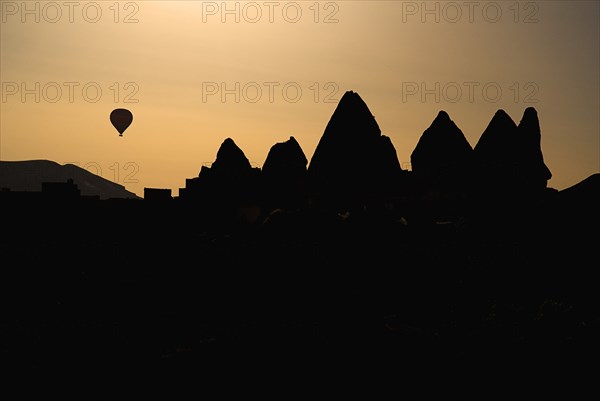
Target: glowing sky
<point x="171" y="61"/>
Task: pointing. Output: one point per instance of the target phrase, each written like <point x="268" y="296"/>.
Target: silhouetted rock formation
<point x="533" y="172"/>
<point x="388" y="158"/>
<point x="194" y="282"/>
<point x="29" y="176"/>
<point x="495" y="153"/>
<point x="284" y="176"/>
<point x="231" y="162"/>
<point x="285" y="159"/>
<point x="509" y="157"/>
<point x="443" y="157"/>
<point x="230" y="186"/>
<point x="352" y="161"/>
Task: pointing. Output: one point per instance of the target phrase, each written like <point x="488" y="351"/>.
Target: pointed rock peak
<point x="442" y="123"/>
<point x="530" y="118"/>
<point x="352" y="114"/>
<point x="229" y="147"/>
<point x="530" y="137"/>
<point x="501" y="118"/>
<point x="228" y="144"/>
<point x="290" y="148"/>
<point x="501" y="115"/>
<point x="284" y="157"/>
<point x="442" y="144"/>
<point x="351" y="134"/>
<point x="351" y="99"/>
<point x="497" y="140"/>
<point x="230" y="157"/>
<point x="293" y="144"/>
<point x="348" y="95"/>
<point x="443" y="117"/>
<point x="530" y="112"/>
<point x="529" y="127"/>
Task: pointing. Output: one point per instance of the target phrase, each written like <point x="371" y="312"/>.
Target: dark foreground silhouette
<point x="467" y="257"/>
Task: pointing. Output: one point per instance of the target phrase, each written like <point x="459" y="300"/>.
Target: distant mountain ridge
<point x="28" y="175"/>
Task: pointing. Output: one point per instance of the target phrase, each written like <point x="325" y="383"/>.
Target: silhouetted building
<point x="19" y="198"/>
<point x="61" y="190"/>
<point x="157" y="195"/>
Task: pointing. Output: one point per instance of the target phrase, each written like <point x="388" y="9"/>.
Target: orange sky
<point x="169" y="61"/>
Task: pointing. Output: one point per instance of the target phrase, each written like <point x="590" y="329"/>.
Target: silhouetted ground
<point x="343" y="265"/>
<point x="125" y="284"/>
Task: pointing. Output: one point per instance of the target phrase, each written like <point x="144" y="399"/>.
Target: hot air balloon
<point x="121" y="119"/>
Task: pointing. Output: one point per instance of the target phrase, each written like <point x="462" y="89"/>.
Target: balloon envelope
<point x="121" y="119"/>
